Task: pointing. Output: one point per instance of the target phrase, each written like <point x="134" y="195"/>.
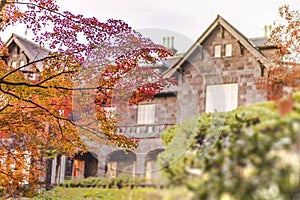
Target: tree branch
<point x="6" y="106"/>
<point x="30" y="63"/>
<point x="55" y="12"/>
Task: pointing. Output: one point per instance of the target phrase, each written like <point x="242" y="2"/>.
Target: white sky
<point x="189" y="17"/>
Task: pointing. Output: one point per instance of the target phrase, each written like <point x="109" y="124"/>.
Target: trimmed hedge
<point x="101" y="182"/>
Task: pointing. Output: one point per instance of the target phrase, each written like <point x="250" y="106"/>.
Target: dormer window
<point x="217" y="51"/>
<point x="228" y="50"/>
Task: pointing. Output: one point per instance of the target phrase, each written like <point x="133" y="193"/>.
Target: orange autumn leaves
<point x="40" y="118"/>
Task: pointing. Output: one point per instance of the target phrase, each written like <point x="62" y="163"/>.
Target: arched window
<point x="121" y="163"/>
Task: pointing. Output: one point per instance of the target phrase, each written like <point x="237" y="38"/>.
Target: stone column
<point x="53" y="170"/>
<point x="102" y="156"/>
<point x="62" y="169"/>
<point x="140" y="164"/>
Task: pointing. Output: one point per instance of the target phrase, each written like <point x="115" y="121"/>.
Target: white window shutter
<point x="146" y="114"/>
<point x="231" y="96"/>
<point x="228" y="49"/>
<point x="217" y="51"/>
<point x="221" y="98"/>
<point x="140" y="116"/>
<point x="151" y="114"/>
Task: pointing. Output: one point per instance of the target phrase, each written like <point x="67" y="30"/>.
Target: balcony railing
<point x="143" y="130"/>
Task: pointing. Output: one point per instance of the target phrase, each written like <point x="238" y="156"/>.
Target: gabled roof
<point x="219" y="21"/>
<point x="31" y="50"/>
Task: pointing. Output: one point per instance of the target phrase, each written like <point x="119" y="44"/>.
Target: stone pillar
<point x="101" y="168"/>
<point x="53" y="170"/>
<point x="140" y="164"/>
<point x="62" y="169"/>
<point x="101" y="171"/>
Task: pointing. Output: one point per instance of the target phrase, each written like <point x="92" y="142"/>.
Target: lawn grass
<point x="60" y="193"/>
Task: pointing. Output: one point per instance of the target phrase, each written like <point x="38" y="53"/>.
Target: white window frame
<point x="146" y="114"/>
<point x="228" y="50"/>
<point x="221" y="97"/>
<point x="217" y="51"/>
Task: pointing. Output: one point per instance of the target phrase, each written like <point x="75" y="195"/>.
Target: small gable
<point x="21" y="52"/>
<point x="220" y="43"/>
<point x="16" y="57"/>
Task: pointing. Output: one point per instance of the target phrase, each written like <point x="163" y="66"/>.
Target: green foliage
<point x="169" y="134"/>
<point x="184" y="136"/>
<point x="102" y="182"/>
<point x="114" y="194"/>
<point x="248" y="153"/>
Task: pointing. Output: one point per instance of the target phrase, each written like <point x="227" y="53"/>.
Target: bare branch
<point x="30" y="63"/>
<point x="55" y="12"/>
<point x="6" y="106"/>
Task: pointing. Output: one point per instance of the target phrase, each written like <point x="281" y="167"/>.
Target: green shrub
<point x="103" y="182"/>
<point x="247" y="153"/>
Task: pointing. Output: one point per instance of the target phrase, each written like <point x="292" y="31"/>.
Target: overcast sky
<point x="186" y="17"/>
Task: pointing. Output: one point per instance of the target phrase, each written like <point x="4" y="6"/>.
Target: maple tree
<point x="284" y="73"/>
<point x="49" y="116"/>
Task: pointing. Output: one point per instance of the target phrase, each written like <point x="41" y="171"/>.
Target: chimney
<point x="168" y="42"/>
<point x="265" y="30"/>
<point x="270" y="29"/>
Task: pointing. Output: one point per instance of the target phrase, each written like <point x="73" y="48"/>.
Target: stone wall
<point x="202" y="69"/>
<point x="146" y="146"/>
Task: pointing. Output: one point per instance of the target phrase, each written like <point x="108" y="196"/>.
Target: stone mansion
<point x="217" y="73"/>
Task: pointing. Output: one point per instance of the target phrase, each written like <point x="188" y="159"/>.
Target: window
<point x="228" y="49"/>
<point x="146" y="114"/>
<point x="217" y="51"/>
<point x="22" y="63"/>
<point x="221" y="98"/>
<point x="14" y="64"/>
<point x="78" y="169"/>
<point x="112" y="169"/>
<point x="27" y="68"/>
